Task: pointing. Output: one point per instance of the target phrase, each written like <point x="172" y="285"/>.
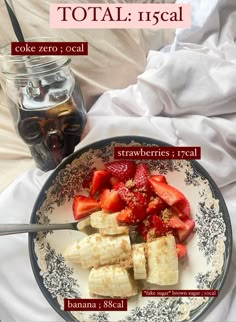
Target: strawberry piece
<point x="99" y="181"/>
<point x="136" y="201"/>
<point x="156" y="205"/>
<point x="114" y="181"/>
<point x="181" y="250"/>
<point x="144" y="227"/>
<point x="126" y="217"/>
<point x="176" y="223"/>
<point x="160" y="228"/>
<point x="158" y="178"/>
<point x="177" y="212"/>
<point x="138" y="204"/>
<point x="123" y="170"/>
<point x="118" y="185"/>
<point x="124" y="192"/>
<point x="171" y="195"/>
<point x="141" y="177"/>
<point x="152" y="224"/>
<point x="136" y="209"/>
<point x="183" y="234"/>
<point x="83" y="206"/>
<point x="111" y="201"/>
<point x="183" y="209"/>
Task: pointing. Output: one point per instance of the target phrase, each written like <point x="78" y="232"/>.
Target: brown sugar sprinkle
<point x="138" y="249"/>
<point x="151" y="235"/>
<point x="125" y="263"/>
<point x="145" y="248"/>
<point x="142" y="190"/>
<point x="166" y="214"/>
<point x="124" y="245"/>
<point x="141" y="249"/>
<point x="129" y="183"/>
<point x="98" y="238"/>
<point x="96" y="266"/>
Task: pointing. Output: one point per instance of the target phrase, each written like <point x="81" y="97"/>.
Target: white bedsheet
<point x="186" y="96"/>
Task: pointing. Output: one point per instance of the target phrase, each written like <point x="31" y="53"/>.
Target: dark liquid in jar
<point x="53" y="133"/>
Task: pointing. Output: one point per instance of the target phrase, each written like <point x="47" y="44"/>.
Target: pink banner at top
<point x="123" y="16"/>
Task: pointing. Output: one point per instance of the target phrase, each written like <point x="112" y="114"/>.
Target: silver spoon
<point x="10" y="229"/>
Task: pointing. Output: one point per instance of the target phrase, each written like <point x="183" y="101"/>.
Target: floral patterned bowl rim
<point x="218" y="283"/>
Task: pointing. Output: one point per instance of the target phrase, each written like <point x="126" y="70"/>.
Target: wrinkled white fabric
<point x="186" y="96"/>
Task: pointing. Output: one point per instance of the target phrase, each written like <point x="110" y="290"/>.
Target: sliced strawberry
<point x="138" y="205"/>
<point x="152" y="224"/>
<point x="126" y="217"/>
<point x="136" y="201"/>
<point x="160" y="227"/>
<point x="124" y="192"/>
<point x="181" y="250"/>
<point x="99" y="181"/>
<point x="171" y="195"/>
<point x="180" y="214"/>
<point x="124" y="170"/>
<point x="141" y="177"/>
<point x="84" y="206"/>
<point x="111" y="201"/>
<point x="183" y="208"/>
<point x="158" y="178"/>
<point x="118" y="185"/>
<point x="184" y="233"/>
<point x="144" y="227"/>
<point x="114" y="181"/>
<point x="176" y="223"/>
<point x="156" y="205"/>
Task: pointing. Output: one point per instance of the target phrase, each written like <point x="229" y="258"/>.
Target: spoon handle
<point x="9" y="229"/>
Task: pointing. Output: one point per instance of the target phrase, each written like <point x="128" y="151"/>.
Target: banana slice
<point x="100" y="219"/>
<point x="71" y="253"/>
<point x="107" y="223"/>
<point x="96" y="250"/>
<point x="162" y="261"/>
<point x="83" y="223"/>
<point x="114" y="231"/>
<point x="111" y="280"/>
<point x="139" y="261"/>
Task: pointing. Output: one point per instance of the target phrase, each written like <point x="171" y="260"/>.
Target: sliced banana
<point x="96" y="250"/>
<point x="101" y="219"/>
<point x="162" y="261"/>
<point x="111" y="280"/>
<point x="83" y="223"/>
<point x="71" y="253"/>
<point x="139" y="261"/>
<point x="114" y="231"/>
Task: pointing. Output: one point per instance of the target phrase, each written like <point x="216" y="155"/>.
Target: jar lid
<point x="14" y="66"/>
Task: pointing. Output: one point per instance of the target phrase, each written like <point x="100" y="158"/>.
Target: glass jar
<point x="46" y="104"/>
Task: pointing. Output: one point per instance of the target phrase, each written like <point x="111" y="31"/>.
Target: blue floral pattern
<point x="163" y="310"/>
<point x="58" y="278"/>
<point x="210" y="226"/>
<point x="99" y="317"/>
